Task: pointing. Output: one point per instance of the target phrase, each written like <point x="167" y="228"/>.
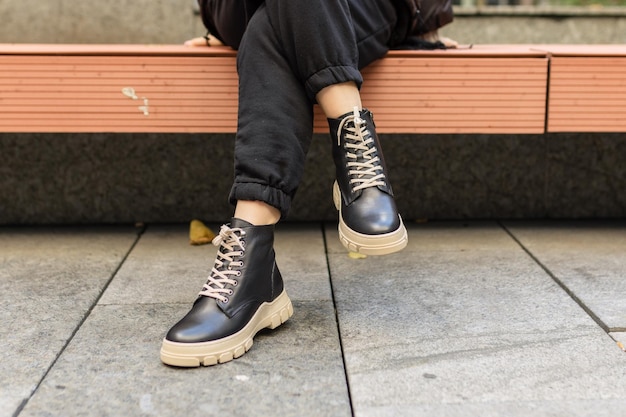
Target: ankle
<point x="257" y="213"/>
<point x="338" y="99"/>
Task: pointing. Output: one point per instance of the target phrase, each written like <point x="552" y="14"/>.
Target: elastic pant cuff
<point x="329" y="76"/>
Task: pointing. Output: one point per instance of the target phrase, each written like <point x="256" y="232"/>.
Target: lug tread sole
<point x="192" y="355"/>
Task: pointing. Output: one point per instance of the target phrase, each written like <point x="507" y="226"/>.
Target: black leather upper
<point x="371" y="210"/>
<point x="260" y="281"/>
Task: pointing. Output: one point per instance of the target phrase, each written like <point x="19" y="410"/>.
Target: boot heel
<point x="337" y="196"/>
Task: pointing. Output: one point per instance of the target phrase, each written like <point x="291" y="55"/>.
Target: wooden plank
<point x="420" y="99"/>
<point x="574" y="106"/>
<point x="514" y="50"/>
<point x="113" y="50"/>
<point x="70" y="88"/>
<point x="580" y="50"/>
<point x="515" y="86"/>
<point x="587" y="94"/>
<point x="401" y="109"/>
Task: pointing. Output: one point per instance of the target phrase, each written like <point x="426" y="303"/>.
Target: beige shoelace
<point x="222" y="275"/>
<point x="365" y="171"/>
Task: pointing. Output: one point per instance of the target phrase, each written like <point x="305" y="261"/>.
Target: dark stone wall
<point x="162" y="178"/>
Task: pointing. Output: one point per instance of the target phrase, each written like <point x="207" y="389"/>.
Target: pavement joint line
<point x="332" y="293"/>
<point x="25" y="402"/>
<point x="560" y="283"/>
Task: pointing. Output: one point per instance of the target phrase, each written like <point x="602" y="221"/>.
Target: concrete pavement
<point x="473" y="318"/>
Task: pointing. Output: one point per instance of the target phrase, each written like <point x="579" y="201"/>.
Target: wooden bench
<point x="166" y="88"/>
<point x="499" y="89"/>
<point x="521" y="96"/>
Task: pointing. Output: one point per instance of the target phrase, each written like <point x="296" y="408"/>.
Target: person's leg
<point x="245" y="291"/>
<point x="340" y="37"/>
<point x="369" y="222"/>
<point x="275" y="120"/>
<point x="284" y="61"/>
<point x="316" y="46"/>
<point x="326" y="42"/>
<point x="338" y="99"/>
<point x="258" y="213"/>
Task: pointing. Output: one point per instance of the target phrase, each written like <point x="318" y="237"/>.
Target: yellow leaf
<point x="356" y="255"/>
<point x="199" y="234"/>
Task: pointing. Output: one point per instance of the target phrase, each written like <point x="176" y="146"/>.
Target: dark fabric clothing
<point x="433" y="15"/>
<point x="288" y="52"/>
<point x="417" y="17"/>
<point x="227" y="19"/>
<point x="408" y="19"/>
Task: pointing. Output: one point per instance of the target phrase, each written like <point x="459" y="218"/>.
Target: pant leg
<point x="289" y="52"/>
<point x="327" y="41"/>
<point x="434" y="15"/>
<point x="374" y="24"/>
<point x="275" y="120"/>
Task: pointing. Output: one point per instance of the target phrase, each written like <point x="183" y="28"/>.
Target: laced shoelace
<point x="226" y="266"/>
<point x="364" y="168"/>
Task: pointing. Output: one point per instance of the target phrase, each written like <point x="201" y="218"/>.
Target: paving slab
<point x="112" y="366"/>
<point x="165" y="268"/>
<point x="464" y="322"/>
<point x="588" y="257"/>
<point x="573" y="408"/>
<point x="50" y="278"/>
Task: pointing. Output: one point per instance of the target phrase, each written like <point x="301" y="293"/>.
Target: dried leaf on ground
<point x="199" y="233"/>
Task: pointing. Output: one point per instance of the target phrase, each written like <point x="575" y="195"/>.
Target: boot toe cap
<point x="204" y="323"/>
<point x="373" y="213"/>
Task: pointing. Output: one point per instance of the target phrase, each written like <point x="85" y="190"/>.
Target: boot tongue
<point x="238" y="223"/>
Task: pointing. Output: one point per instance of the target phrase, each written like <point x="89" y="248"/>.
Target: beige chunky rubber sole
<point x="384" y="244"/>
<point x="191" y="355"/>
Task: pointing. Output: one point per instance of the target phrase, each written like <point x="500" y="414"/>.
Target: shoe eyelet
<point x="225" y="300"/>
<point x="231" y="292"/>
<point x="235" y="283"/>
<point x="238" y="274"/>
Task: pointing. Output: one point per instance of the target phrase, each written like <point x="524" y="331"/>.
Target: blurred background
<point x="174" y="21"/>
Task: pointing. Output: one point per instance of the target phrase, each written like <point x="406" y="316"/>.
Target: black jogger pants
<point x="289" y="51"/>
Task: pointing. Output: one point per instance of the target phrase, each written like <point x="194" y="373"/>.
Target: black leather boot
<point x="244" y="294"/>
<point x="369" y="222"/>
